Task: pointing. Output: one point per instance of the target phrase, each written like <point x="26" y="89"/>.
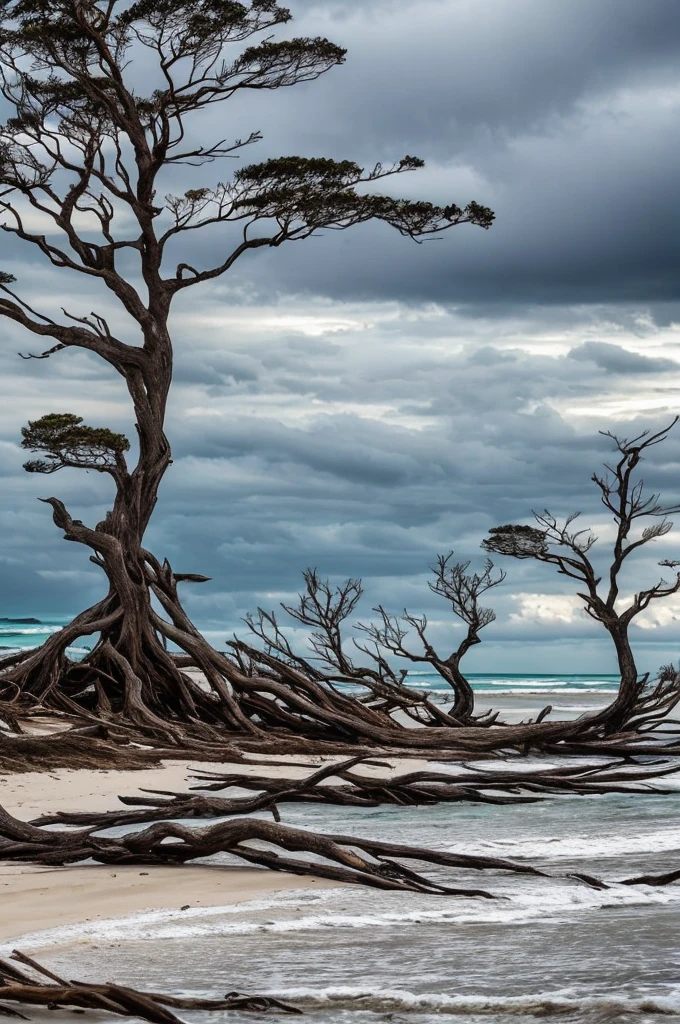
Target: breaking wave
<point x="380" y="1000"/>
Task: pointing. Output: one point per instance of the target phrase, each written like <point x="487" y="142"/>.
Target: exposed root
<point x="78" y="749"/>
<point x="132" y="683"/>
<point x="355" y="790"/>
<point x="17" y="986"/>
<point x="347" y="859"/>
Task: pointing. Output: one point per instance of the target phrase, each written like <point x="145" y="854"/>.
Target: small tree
<point x="324" y="610"/>
<point x="83" y="140"/>
<point x="558" y="544"/>
<point x="463" y="591"/>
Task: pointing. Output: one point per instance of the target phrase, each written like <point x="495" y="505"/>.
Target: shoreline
<point x="36" y="899"/>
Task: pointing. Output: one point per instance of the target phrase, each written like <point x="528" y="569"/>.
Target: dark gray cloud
<point x="562" y="118"/>
<point x="359" y="402"/>
<point x="620" y="360"/>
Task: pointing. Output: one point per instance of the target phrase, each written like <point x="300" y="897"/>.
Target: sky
<point x="359" y="402"/>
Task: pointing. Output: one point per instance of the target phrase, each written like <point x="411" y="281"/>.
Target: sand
<point x="34" y="899"/>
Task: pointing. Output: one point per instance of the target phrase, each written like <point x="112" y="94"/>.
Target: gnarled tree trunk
<point x="130" y="673"/>
<point x="616" y="715"/>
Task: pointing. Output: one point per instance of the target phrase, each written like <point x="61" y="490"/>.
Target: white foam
<point x="275" y="915"/>
<point x="543" y="1003"/>
<point x="602" y="844"/>
<point x="32" y="631"/>
<point x="136" y="925"/>
<point x="521" y="691"/>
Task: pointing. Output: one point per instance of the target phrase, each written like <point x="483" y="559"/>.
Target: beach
<point x="35" y="899"/>
<point x="544" y="946"/>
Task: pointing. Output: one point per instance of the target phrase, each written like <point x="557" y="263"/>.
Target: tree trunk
<point x="130" y="673"/>
<point x="614" y="717"/>
<point x="464" y="703"/>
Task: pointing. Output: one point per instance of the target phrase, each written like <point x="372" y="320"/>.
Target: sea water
<point x="351" y="955"/>
<point x="549" y="947"/>
<point x="19" y="636"/>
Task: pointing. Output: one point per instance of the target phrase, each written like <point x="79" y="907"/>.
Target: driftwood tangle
<point x="17" y="986"/>
<point x="341" y="858"/>
<point x="494" y="786"/>
<point x="265" y="695"/>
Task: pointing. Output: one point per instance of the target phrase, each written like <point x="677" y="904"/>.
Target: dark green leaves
<point x="299" y="171"/>
<point x="66" y="441"/>
<point x="517" y="541"/>
<point x="309" y="193"/>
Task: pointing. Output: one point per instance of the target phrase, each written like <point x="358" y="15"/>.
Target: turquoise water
<point x="519" y="682"/>
<point x="15" y="636"/>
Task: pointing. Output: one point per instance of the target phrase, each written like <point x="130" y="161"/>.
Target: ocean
<point x="359" y="956"/>
<point x="15" y="636"/>
<point x="550" y="947"/>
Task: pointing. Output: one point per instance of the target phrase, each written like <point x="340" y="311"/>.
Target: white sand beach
<point x="33" y="899"/>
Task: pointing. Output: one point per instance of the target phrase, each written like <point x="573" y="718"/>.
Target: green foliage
<point x="316" y="192"/>
<point x="301" y="53"/>
<point x="200" y="17"/>
<point x="66" y="441"/>
<point x="77" y="88"/>
<point x="6" y="278"/>
<point x="517" y="541"/>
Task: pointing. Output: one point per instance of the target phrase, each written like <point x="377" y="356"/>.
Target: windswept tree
<point x="85" y="147"/>
<point x="559" y="544"/>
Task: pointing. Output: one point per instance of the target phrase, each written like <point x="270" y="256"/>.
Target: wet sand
<point x="33" y="899"/>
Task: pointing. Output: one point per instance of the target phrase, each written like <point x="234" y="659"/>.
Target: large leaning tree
<point x="560" y="544"/>
<point x="85" y="146"/>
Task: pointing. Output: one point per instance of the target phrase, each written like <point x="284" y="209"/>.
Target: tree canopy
<point x="106" y="97"/>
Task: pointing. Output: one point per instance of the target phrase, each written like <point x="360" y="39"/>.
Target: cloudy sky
<point x="359" y="402"/>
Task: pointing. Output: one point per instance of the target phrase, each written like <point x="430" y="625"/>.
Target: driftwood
<point x="415" y="788"/>
<point x="342" y="858"/>
<point x="16" y="986"/>
<point x="74" y="749"/>
<point x="431" y="787"/>
<point x="255" y="701"/>
<point x="663" y="879"/>
<point x="97" y="746"/>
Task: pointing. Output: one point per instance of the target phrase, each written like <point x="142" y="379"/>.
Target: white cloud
<point x="554" y="609"/>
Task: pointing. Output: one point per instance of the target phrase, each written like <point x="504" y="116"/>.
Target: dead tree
<point x="560" y="545"/>
<point x="324" y="610"/>
<point x="463" y="590"/>
<point x="66" y="72"/>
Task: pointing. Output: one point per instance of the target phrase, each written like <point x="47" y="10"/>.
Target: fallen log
<point x="663" y="879"/>
<point x="341" y="858"/>
<point x="76" y="749"/>
<point x="16" y="986"/>
<point x="427" y="786"/>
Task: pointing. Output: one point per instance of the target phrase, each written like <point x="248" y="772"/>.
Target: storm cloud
<point x="360" y="402"/>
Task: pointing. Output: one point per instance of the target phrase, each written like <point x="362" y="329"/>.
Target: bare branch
<point x="624" y="498"/>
